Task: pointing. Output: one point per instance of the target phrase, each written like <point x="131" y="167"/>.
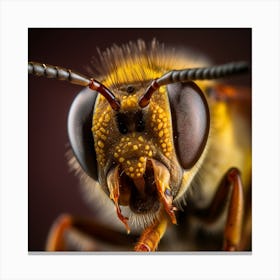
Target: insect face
<point x="144" y="153"/>
<point x="137" y="164"/>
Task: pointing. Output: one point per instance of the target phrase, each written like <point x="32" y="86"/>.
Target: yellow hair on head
<point x="138" y="62"/>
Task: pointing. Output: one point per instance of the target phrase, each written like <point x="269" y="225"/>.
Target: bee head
<point x="139" y="154"/>
<point x="142" y="135"/>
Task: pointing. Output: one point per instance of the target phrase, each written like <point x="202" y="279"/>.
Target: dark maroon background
<point x="52" y="190"/>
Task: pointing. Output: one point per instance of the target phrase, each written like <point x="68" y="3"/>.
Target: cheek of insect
<point x="102" y="124"/>
<point x="161" y="126"/>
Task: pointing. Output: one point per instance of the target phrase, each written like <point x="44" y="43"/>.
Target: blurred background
<point x="52" y="189"/>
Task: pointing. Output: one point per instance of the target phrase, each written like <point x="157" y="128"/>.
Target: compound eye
<point x="190" y="120"/>
<point x="79" y="131"/>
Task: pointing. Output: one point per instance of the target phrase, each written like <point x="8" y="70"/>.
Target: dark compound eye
<point x="190" y="120"/>
<point x="79" y="131"/>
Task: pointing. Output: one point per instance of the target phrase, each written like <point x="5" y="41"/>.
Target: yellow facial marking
<point x="100" y="130"/>
<point x="142" y="159"/>
<point x="100" y="144"/>
<point x="161" y="126"/>
<point x="133" y="157"/>
<point x="129" y="102"/>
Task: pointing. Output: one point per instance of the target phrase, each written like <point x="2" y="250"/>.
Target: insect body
<point x="145" y="139"/>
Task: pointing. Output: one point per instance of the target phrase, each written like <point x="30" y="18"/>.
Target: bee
<point x="164" y="155"/>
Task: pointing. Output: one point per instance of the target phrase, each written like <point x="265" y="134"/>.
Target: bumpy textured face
<point x="136" y="154"/>
<point x="132" y="135"/>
